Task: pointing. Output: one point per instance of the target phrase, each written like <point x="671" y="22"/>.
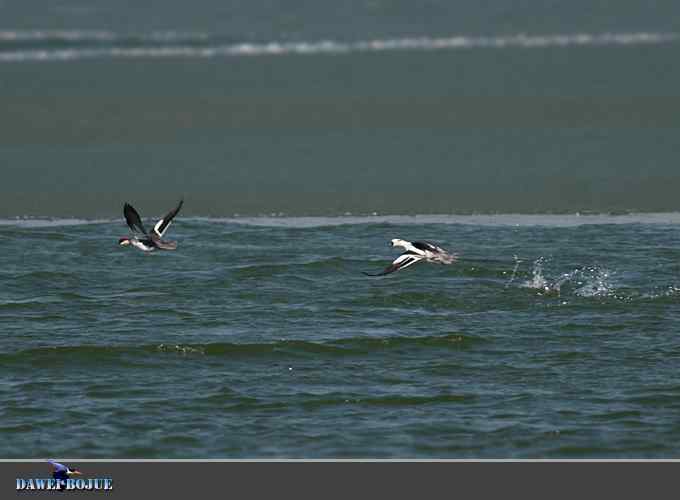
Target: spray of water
<point x="514" y="271"/>
<point x="537" y="280"/>
<point x="591" y="281"/>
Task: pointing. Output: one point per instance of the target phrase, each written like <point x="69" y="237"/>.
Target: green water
<point x="476" y="130"/>
<point x="285" y="128"/>
<point x="261" y="338"/>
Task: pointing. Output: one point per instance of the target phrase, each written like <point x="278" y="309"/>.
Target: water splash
<point x="537" y="280"/>
<point x="591" y="281"/>
<point x="514" y="271"/>
<point x="670" y="291"/>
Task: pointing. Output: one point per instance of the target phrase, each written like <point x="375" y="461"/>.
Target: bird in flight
<point x="61" y="471"/>
<point x="416" y="251"/>
<point x="151" y="240"/>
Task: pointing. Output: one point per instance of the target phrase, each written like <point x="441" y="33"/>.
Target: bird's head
<point x="124" y="241"/>
<point x="396" y="242"/>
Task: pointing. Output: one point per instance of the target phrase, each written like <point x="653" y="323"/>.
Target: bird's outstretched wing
<point x="57" y="466"/>
<point x="134" y="221"/>
<point x="426" y="245"/>
<point x="401" y="262"/>
<point x="163" y="224"/>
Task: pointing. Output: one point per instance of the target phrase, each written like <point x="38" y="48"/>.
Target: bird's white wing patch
<point x="138" y="244"/>
<point x="157" y="228"/>
<point x="163" y="224"/>
<point x="405" y="260"/>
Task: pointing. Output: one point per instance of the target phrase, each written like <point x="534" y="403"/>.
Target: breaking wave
<point x="303" y="222"/>
<point x="354" y="346"/>
<point x="39" y="45"/>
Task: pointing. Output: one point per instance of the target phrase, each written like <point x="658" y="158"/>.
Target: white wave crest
<point x="97" y="36"/>
<point x="38" y="222"/>
<point x="201" y="45"/>
<point x="301" y="221"/>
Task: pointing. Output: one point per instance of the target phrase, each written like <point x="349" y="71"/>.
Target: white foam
<point x="97" y="36"/>
<point x="282" y="220"/>
<point x="36" y="222"/>
<point x="174" y="44"/>
<point x="517" y="220"/>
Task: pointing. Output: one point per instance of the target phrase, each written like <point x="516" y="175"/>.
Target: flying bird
<point x="61" y="471"/>
<point x="151" y="240"/>
<point x="415" y="252"/>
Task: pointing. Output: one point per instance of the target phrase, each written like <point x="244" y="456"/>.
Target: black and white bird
<point x="151" y="240"/>
<point x="416" y="251"/>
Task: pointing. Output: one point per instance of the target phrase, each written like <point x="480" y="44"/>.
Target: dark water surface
<point x="553" y="336"/>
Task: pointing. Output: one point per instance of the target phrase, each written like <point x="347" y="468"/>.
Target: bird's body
<point x="61" y="471"/>
<point x="152" y="240"/>
<point x="415" y="252"/>
<point x="145" y="245"/>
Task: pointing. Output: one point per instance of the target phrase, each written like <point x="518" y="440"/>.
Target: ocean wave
<point x="40" y="222"/>
<point x="282" y="348"/>
<point x="269" y="269"/>
<point x="47" y="36"/>
<point x="475" y="219"/>
<point x="23" y="46"/>
<point x="388" y="401"/>
<point x="21" y="304"/>
<point x="42" y="275"/>
<point x="302" y="222"/>
<point x="230" y="401"/>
